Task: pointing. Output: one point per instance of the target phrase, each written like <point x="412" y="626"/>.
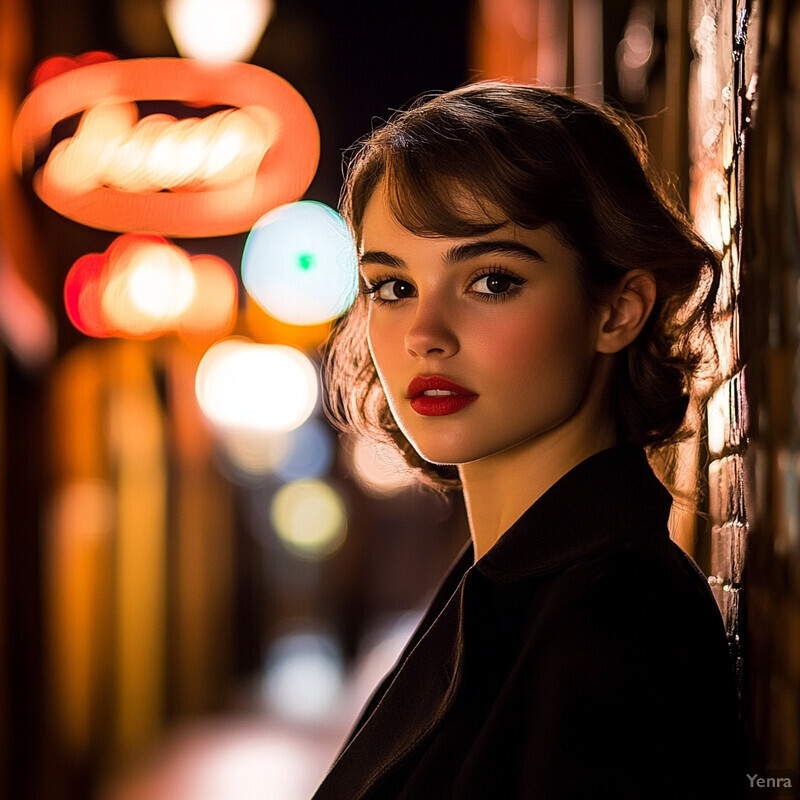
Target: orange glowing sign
<point x="209" y="176"/>
<point x="143" y="287"/>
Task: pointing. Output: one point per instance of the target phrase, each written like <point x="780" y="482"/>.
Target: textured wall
<point x="771" y="335"/>
<point x="724" y="39"/>
<point x="745" y="114"/>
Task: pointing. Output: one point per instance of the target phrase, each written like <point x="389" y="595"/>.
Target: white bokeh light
<point x="304" y="677"/>
<point x="161" y="283"/>
<point x="149" y="286"/>
<point x="217" y="30"/>
<point x="244" y="770"/>
<point x="300" y="263"/>
<point x="245" y="386"/>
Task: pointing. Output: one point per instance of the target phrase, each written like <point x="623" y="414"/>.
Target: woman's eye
<point x="394" y="290"/>
<point x="494" y="283"/>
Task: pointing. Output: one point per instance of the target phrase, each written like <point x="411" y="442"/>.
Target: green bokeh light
<point x="300" y="263"/>
<point x="305" y="261"/>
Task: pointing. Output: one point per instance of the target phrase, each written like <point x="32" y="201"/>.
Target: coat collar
<point x="597" y="504"/>
<point x="601" y="501"/>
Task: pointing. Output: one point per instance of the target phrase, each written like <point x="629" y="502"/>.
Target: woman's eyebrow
<point x="491" y="247"/>
<point x="459" y="253"/>
<point x="382" y="258"/>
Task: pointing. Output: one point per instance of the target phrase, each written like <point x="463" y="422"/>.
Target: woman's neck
<point x="500" y="488"/>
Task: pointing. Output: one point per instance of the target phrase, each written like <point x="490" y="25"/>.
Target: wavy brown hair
<point x="535" y="156"/>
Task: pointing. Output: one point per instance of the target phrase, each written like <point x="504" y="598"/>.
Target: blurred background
<point x="201" y="580"/>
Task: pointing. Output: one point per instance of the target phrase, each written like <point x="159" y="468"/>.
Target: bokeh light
<point x="304" y="677"/>
<point x="57" y="65"/>
<point x="251" y="455"/>
<point x="241" y="770"/>
<point x="27" y="325"/>
<point x="251" y="758"/>
<point x="309" y="518"/>
<point x="309" y="453"/>
<point x="300" y="263"/>
<point x="247" y="386"/>
<point x="226" y="30"/>
<point x="149" y="285"/>
<point x="379" y="468"/>
<point x="83" y="295"/>
<point x="212" y="312"/>
<point x="143" y="287"/>
<point x="265" y="328"/>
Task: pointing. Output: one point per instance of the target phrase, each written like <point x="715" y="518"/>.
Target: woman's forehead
<point x="385" y="240"/>
<point x="447" y="208"/>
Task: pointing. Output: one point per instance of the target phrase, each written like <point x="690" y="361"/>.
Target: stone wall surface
<point x="745" y="143"/>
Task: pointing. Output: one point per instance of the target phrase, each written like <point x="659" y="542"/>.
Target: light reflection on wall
<point x="245" y="386"/>
<point x="300" y="263"/>
<point x="309" y="518"/>
<point x="710" y="195"/>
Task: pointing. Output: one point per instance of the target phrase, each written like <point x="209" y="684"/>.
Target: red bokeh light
<point x="57" y="65"/>
<point x="83" y="291"/>
<point x="125" y="292"/>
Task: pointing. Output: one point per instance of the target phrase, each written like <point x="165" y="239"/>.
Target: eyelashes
<point x="507" y="283"/>
<point x="494" y="284"/>
<point x="375" y="290"/>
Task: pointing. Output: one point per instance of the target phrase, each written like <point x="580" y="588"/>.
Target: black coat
<point x="582" y="657"/>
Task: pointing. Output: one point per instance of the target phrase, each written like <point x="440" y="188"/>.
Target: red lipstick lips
<point x="434" y="396"/>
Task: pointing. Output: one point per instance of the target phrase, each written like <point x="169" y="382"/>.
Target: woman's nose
<point x="430" y="332"/>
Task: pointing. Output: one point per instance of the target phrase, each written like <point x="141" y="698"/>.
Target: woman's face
<point x="480" y="343"/>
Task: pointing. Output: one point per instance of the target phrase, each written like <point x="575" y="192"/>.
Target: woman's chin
<point x="449" y="455"/>
<point x="440" y="456"/>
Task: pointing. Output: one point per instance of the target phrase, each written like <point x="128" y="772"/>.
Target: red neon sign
<point x="276" y="130"/>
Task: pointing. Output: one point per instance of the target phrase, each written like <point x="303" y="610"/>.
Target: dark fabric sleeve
<point x="626" y="689"/>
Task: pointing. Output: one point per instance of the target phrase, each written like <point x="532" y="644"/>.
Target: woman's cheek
<point x="513" y="345"/>
<point x="386" y="345"/>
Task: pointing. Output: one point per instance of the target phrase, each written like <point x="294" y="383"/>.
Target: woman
<point x="534" y="310"/>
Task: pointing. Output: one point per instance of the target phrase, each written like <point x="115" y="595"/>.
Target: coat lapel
<point x="418" y="698"/>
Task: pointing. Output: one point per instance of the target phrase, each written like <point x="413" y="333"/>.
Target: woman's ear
<point x="626" y="310"/>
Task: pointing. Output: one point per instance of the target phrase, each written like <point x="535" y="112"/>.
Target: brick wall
<point x="745" y="122"/>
